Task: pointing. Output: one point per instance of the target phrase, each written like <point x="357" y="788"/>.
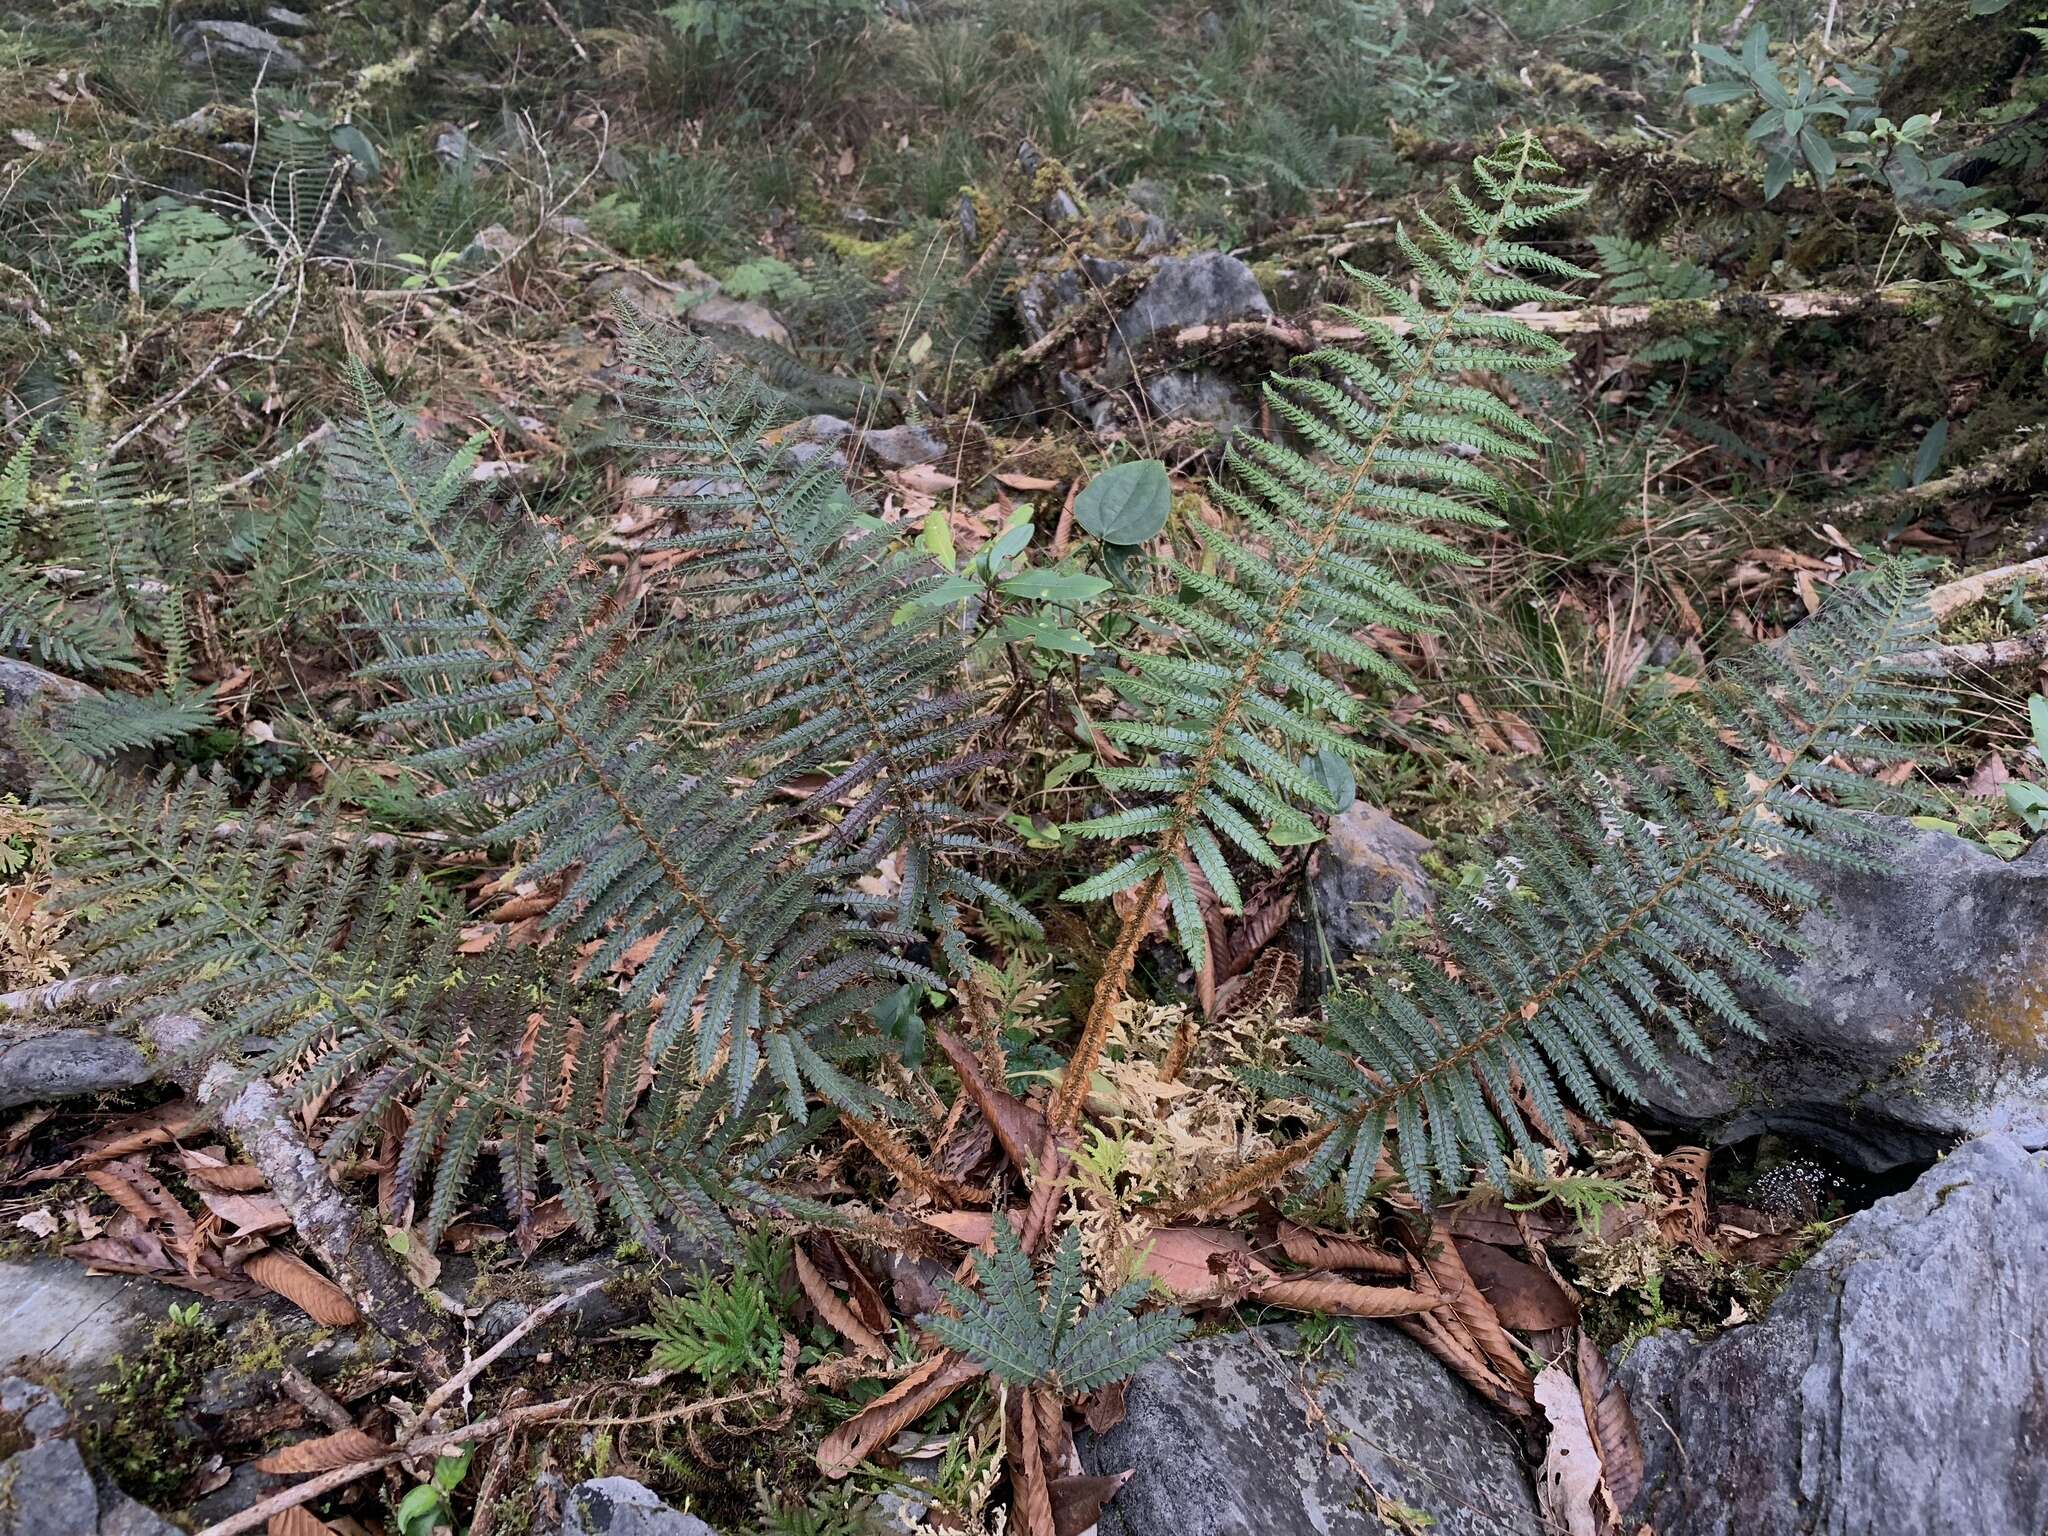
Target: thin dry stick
<point x="483" y="1362"/>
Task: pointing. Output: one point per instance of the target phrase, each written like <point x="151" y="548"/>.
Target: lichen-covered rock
<point x="1368" y="872"/>
<point x="240" y="46"/>
<point x="45" y="1487"/>
<point x="618" y="1506"/>
<point x="1211" y="288"/>
<point x="1924" y="1015"/>
<point x="1220" y="1439"/>
<point x="37" y="1066"/>
<point x="1897" y="1387"/>
<point x="26" y="692"/>
<point x="743" y="315"/>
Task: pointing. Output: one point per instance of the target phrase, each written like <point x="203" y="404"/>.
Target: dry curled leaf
<point x="834" y="1310"/>
<point x="1345" y="1298"/>
<point x="1613" y="1424"/>
<point x="1314" y="1248"/>
<point x="1523" y="1295"/>
<point x="1019" y="1127"/>
<point x="303" y="1286"/>
<point x="903" y="1404"/>
<point x="297" y="1521"/>
<point x="1077" y="1502"/>
<point x="324" y="1453"/>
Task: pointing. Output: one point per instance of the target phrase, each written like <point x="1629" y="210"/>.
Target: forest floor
<point x="982" y="255"/>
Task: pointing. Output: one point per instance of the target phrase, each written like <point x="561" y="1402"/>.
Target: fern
<point x="37" y="615"/>
<point x="1029" y="1338"/>
<point x="533" y="699"/>
<point x="1239" y="646"/>
<point x="1650" y="894"/>
<point x="831" y="660"/>
<point x="107" y="725"/>
<point x="324" y="968"/>
<point x="720" y="1331"/>
<point x="1643" y="274"/>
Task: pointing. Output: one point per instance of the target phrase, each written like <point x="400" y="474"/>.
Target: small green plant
<point x="428" y="1509"/>
<point x="1031" y="1338"/>
<point x="1792" y="128"/>
<point x="719" y="1331"/>
<point x="2029" y="801"/>
<point x="436" y="272"/>
<point x="187" y="257"/>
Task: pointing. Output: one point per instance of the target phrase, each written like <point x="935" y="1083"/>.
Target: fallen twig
<point x="344" y="1237"/>
<point x="1953" y="597"/>
<point x="1984" y="656"/>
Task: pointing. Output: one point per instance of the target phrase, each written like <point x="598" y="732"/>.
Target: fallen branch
<point x="1953" y="597"/>
<point x="344" y="1238"/>
<point x="2007" y="469"/>
<point x="57" y="996"/>
<point x="2025" y="650"/>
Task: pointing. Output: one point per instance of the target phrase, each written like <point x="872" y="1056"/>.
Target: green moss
<point x="136" y="1432"/>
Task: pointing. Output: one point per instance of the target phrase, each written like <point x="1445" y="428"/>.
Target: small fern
<point x="1031" y="1338"/>
<point x="1643" y="274"/>
<point x="719" y="1330"/>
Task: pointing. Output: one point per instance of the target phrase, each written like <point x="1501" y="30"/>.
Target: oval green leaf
<point x="1127" y="503"/>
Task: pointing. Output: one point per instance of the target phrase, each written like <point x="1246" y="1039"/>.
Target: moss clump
<point x="139" y="1433"/>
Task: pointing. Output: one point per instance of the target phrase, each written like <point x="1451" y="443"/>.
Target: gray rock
<point x="56" y="1315"/>
<point x="1925" y="1015"/>
<point x="742" y="315"/>
<point x="237" y="45"/>
<point x="1209" y="289"/>
<point x="1897" y="1387"/>
<point x="1368" y="871"/>
<point x="1046" y="296"/>
<point x="26" y="694"/>
<point x="45" y="1489"/>
<point x="901" y="447"/>
<point x="1199" y="394"/>
<point x="452" y="146"/>
<point x="1217" y="1436"/>
<point x="37" y="1066"/>
<point x="618" y="1506"/>
<point x="280" y="18"/>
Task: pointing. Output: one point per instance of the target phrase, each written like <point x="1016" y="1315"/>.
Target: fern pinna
<point x="829" y="660"/>
<point x="1392" y="433"/>
<point x="1651" y="893"/>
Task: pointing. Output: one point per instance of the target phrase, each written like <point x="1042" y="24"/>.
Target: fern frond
<point x="536" y="701"/>
<point x="1033" y="1338"/>
<point x="830" y="660"/>
<point x="104" y="726"/>
<point x="319" y="968"/>
<point x="1393" y="434"/>
<point x="1649" y="897"/>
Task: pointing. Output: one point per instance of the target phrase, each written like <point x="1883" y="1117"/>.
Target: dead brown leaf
<point x="1613" y="1423"/>
<point x="298" y="1521"/>
<point x="1202" y="1264"/>
<point x="324" y="1453"/>
<point x="834" y="1310"/>
<point x="303" y="1286"/>
<point x="937" y="1379"/>
<point x="1314" y="1248"/>
<point x="1337" y="1297"/>
<point x="1523" y="1295"/>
